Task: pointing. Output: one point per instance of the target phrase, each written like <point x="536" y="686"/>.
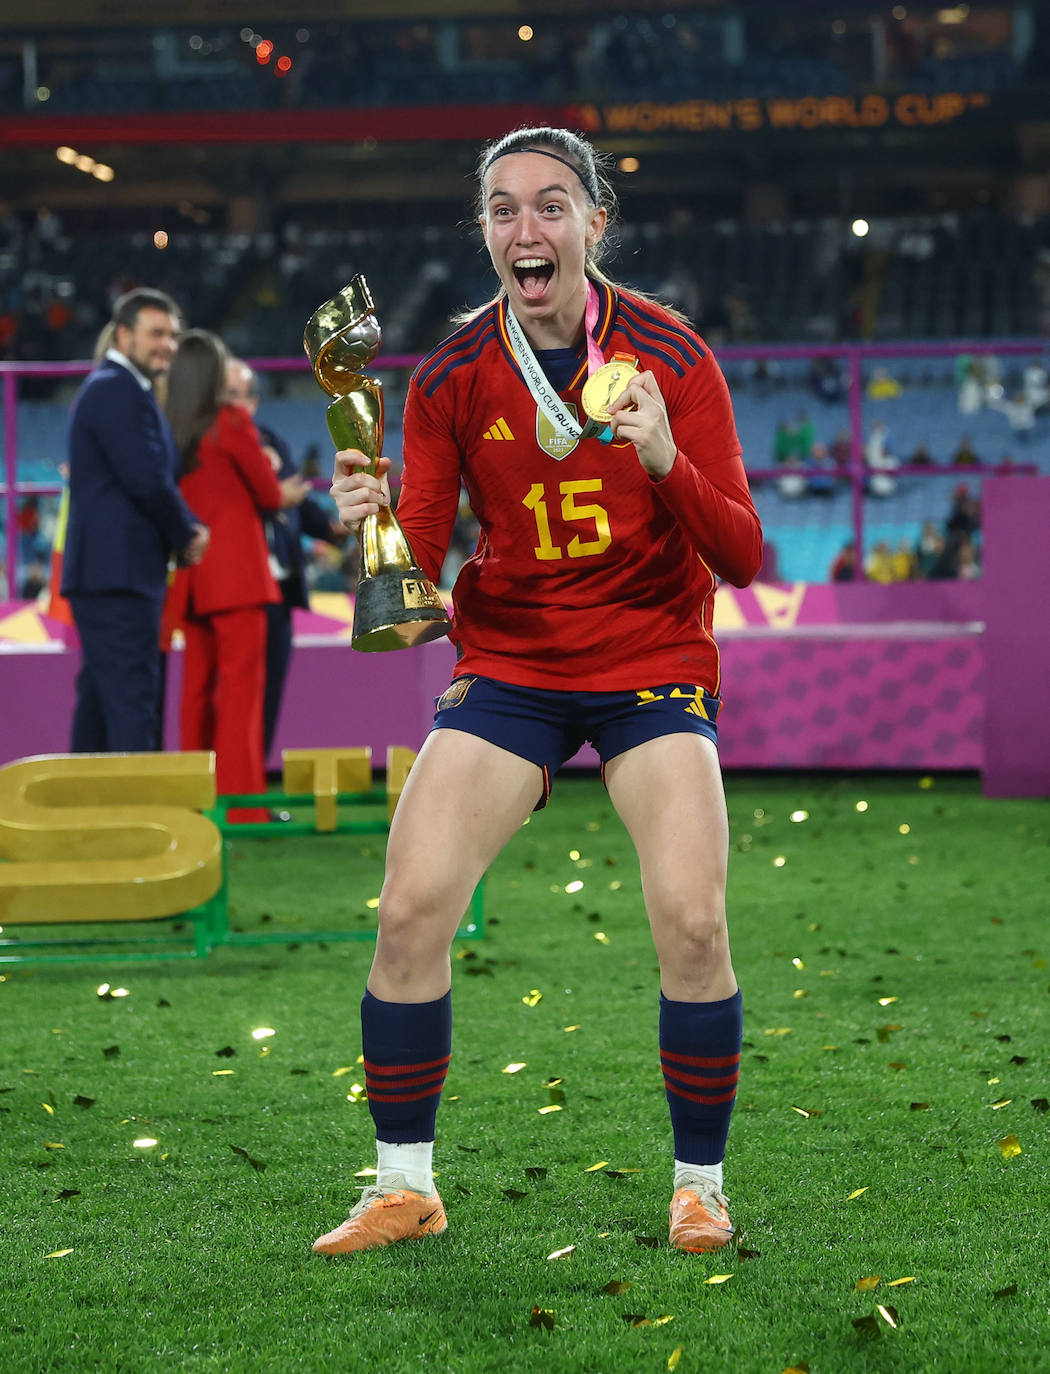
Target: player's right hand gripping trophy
<point x="396" y="605"/>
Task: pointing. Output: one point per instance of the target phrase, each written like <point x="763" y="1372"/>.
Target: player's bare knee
<point x="698" y="932"/>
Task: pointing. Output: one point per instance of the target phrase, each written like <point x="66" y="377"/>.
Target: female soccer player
<point x="594" y="432"/>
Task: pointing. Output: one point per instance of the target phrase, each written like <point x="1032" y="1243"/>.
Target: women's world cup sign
<point x="396" y="605"/>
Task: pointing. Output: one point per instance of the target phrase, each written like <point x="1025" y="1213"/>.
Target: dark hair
<point x="126" y="308"/>
<point x="593" y="170"/>
<point x="196" y="380"/>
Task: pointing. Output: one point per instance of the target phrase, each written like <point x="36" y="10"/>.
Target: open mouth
<point x="532" y="276"/>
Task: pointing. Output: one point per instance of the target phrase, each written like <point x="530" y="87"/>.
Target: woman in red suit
<point x="221" y="602"/>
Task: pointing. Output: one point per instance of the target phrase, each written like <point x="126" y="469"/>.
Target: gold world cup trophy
<point x="396" y="604"/>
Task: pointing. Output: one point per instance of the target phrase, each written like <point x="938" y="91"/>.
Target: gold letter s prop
<point x="106" y="837"/>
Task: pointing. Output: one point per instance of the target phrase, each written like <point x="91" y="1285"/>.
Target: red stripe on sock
<point x="373" y="1096"/>
<point x="392" y="1069"/>
<point x="415" y="1082"/>
<point x="725" y="1062"/>
<point x="708" y="1099"/>
<point x="695" y="1080"/>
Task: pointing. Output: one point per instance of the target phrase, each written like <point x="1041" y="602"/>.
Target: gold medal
<point x="607" y="385"/>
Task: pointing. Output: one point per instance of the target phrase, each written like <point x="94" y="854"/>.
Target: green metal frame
<point x="210" y="921"/>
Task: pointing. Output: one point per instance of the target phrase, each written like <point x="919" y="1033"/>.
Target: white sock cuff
<point x="415" y="1160"/>
<point x="684" y="1174"/>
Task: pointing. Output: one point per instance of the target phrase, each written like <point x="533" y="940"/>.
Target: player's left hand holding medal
<point x="637" y="415"/>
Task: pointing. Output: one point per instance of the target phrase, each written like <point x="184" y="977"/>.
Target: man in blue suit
<point x="126" y="519"/>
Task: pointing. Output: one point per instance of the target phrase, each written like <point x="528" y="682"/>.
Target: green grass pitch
<point x="891" y="1122"/>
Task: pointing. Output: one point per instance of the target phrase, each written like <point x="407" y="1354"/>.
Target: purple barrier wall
<point x="1016" y="585"/>
<point x="851" y="676"/>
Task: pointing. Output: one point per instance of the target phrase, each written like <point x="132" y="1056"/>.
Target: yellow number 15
<point x="577" y="547"/>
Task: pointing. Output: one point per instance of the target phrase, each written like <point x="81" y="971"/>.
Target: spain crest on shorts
<point x="453" y="695"/>
<point x="553" y="443"/>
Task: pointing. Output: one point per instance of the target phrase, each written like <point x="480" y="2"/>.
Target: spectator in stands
<point x="221" y="602"/>
<point x="882" y="386"/>
<point x="903" y="562"/>
<point x="805" y="436"/>
<point x="921" y="456"/>
<point x="880" y="461"/>
<point x="965" y="456"/>
<point x="126" y="517"/>
<point x="964" y="517"/>
<point x="1036" y="386"/>
<point x="841" y="449"/>
<point x="826" y="380"/>
<point x="844" y="568"/>
<point x="1020" y="415"/>
<point x="785" y="447"/>
<point x="879" y="565"/>
<point x="967" y="563"/>
<point x="929" y="549"/>
<point x="300" y="515"/>
<point x="821" y="482"/>
<point x="970" y="385"/>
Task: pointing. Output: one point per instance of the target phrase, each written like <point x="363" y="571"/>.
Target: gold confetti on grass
<point x="369" y="1172"/>
<point x="563" y="1253"/>
<point x="1009" y="1147"/>
<point x="896" y="1283"/>
<point x="53" y="1145"/>
<point x="1003" y="1102"/>
<point x="857" y="1192"/>
<point x="542" y="1316"/>
<point x="546" y="1111"/>
<point x="601" y="937"/>
<point x="48" y="1108"/>
<point x="615" y="1288"/>
<point x="513" y="1068"/>
<point x="674" y="1357"/>
<point x="718" y="1278"/>
<point x="593" y="1168"/>
<point x="807" y="1111"/>
<point x="58" y="1254"/>
<point x="889" y="1315"/>
<point x="223" y="1073"/>
<point x="867" y="1284"/>
<point x="802" y="1368"/>
<point x="778" y="1030"/>
<point x="533" y="998"/>
<point x="888" y="1001"/>
<point x="342" y="1071"/>
<point x="567" y="1029"/>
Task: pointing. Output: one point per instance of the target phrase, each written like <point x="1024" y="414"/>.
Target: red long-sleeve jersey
<point x="588" y="574"/>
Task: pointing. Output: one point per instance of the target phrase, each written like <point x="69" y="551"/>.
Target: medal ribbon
<point x="536" y="379"/>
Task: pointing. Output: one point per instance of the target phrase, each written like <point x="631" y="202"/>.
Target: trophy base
<point x="397" y="609"/>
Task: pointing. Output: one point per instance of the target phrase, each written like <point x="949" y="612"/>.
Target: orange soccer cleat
<point x="382" y="1216"/>
<point x="699" y="1219"/>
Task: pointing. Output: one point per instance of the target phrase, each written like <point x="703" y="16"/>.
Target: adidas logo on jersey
<point x="500" y="430"/>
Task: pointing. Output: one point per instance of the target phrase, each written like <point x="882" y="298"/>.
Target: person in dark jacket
<point x="126" y="520"/>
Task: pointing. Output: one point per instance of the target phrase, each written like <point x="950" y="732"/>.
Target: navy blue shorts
<point x="548" y="728"/>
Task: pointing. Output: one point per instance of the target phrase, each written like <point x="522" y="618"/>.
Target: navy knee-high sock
<point x="407" y="1047"/>
<point x="700" y="1054"/>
